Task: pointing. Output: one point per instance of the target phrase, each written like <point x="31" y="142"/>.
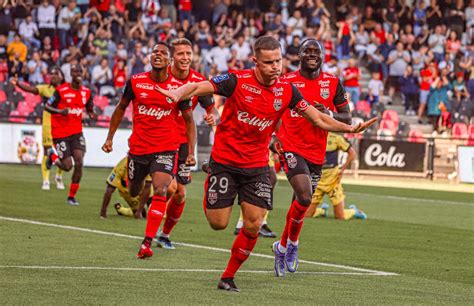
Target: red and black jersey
<point x="76" y="101"/>
<point x="154" y="115"/>
<point x="205" y="101"/>
<point x="296" y="133"/>
<point x="250" y="116"/>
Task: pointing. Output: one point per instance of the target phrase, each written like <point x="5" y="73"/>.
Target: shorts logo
<point x="277" y="103"/>
<point x="278" y="91"/>
<point x="212" y="197"/>
<point x="264" y="190"/>
<point x="291" y="160"/>
<point x="131" y="169"/>
<point x="324" y="93"/>
<point x="252" y="89"/>
<point x="166" y="160"/>
<point x="315" y="178"/>
<point x="61" y="148"/>
<point x="220" y="78"/>
<point x="184" y="171"/>
<point x="82" y="141"/>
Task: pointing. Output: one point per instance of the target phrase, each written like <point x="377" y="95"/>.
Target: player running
<point x="330" y="183"/>
<point x="46" y="91"/>
<point x="118" y="180"/>
<point x="180" y="71"/>
<point x="66" y="106"/>
<point x="256" y="100"/>
<point x="154" y="140"/>
<point x="303" y="145"/>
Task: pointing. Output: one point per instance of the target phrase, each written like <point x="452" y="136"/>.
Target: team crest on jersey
<point x="277" y="103"/>
<point x="220" y="78"/>
<point x="324" y="93"/>
<point x="291" y="160"/>
<point x="278" y="91"/>
<point x="212" y="197"/>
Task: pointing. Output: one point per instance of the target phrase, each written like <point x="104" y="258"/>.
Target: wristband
<point x="331" y="114"/>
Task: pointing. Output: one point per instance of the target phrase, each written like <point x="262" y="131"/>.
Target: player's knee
<point x="179" y="196"/>
<point x="252" y="224"/>
<point x="160" y="190"/>
<point x="66" y="165"/>
<point x="218" y="225"/>
<point x="304" y="199"/>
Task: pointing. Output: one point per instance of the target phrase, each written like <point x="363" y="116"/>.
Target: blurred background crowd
<point x="408" y="61"/>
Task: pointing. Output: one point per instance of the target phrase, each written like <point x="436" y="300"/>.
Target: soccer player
<point x="154" y="140"/>
<point x="46" y="91"/>
<point x="330" y="183"/>
<point x="66" y="106"/>
<point x="256" y="100"/>
<point x="118" y="180"/>
<point x="180" y="71"/>
<point x="302" y="146"/>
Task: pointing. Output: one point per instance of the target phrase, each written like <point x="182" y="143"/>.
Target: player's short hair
<point x="180" y="42"/>
<point x="265" y="43"/>
<point x="163" y="44"/>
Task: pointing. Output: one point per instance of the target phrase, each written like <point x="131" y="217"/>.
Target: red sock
<point x="173" y="214"/>
<point x="284" y="235"/>
<point x="54" y="157"/>
<point x="241" y="249"/>
<point x="155" y="215"/>
<point x="73" y="189"/>
<point x="296" y="220"/>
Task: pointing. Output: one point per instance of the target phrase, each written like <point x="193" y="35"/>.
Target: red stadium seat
<point x="16" y="116"/>
<point x="103" y="121"/>
<point x="364" y="107"/>
<point x="459" y="131"/>
<point x="3" y="96"/>
<point x="387" y="124"/>
<point x="101" y="101"/>
<point x="416" y="136"/>
<point x="470" y="140"/>
<point x="24" y="107"/>
<point x="32" y="99"/>
<point x="391" y="115"/>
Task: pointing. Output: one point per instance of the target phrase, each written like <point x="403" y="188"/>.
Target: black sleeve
<point x="296" y="96"/>
<point x="340" y="99"/>
<point x="90" y="103"/>
<point x="185" y="105"/>
<point x="224" y="84"/>
<point x="206" y="101"/>
<point x="128" y="91"/>
<point x="53" y="101"/>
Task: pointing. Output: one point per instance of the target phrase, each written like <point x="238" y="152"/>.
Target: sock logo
<point x="296" y="221"/>
<point x="245" y="252"/>
<point x="156" y="212"/>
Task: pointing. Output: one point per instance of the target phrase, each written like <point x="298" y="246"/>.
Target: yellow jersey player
<point x="118" y="180"/>
<point x="330" y="182"/>
<point x="45" y="91"/>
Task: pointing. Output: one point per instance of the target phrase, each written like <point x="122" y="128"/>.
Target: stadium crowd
<point x="419" y="53"/>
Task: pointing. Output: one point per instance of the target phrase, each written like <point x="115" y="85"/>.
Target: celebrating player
<point x="182" y="55"/>
<point x="46" y="91"/>
<point x="66" y="106"/>
<point x="154" y="140"/>
<point x="118" y="180"/>
<point x="256" y="100"/>
<point x="330" y="183"/>
<point x="303" y="145"/>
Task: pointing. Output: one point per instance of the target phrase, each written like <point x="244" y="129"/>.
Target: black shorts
<point x="183" y="174"/>
<point x="294" y="164"/>
<point x="139" y="166"/>
<point x="65" y="146"/>
<point x="224" y="183"/>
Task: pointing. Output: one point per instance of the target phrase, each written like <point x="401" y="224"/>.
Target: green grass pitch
<point x="425" y="237"/>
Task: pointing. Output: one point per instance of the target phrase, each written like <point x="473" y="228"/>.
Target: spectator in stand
<point x="398" y="60"/>
<point x="67" y="17"/>
<point x="467" y="65"/>
<point x="351" y="80"/>
<point x="292" y="54"/>
<point x="138" y="59"/>
<point x="385" y="49"/>
<point x="438" y="99"/>
<point x="242" y="48"/>
<point x="218" y="56"/>
<point x="436" y="42"/>
<point x="17" y="47"/>
<point x="28" y="30"/>
<point x="345" y="38"/>
<point x="331" y="67"/>
<point x="170" y="7"/>
<point x="297" y="22"/>
<point x="426" y="75"/>
<point x="17" y="67"/>
<point x="453" y="45"/>
<point x="420" y="15"/>
<point x="361" y="42"/>
<point x="120" y="75"/>
<point x="36" y="69"/>
<point x="434" y="14"/>
<point x="6" y="18"/>
<point x="3" y="47"/>
<point x="3" y="69"/>
<point x="133" y="11"/>
<point x="410" y="90"/>
<point x="459" y="89"/>
<point x="421" y="56"/>
<point x="375" y="89"/>
<point x="101" y="74"/>
<point x="184" y="10"/>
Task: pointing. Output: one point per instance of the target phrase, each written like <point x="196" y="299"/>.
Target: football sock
<point x="284" y="235"/>
<point x="241" y="249"/>
<point x="318" y="212"/>
<point x="44" y="171"/>
<point x="73" y="190"/>
<point x="297" y="213"/>
<point x="59" y="173"/>
<point x="155" y="215"/>
<point x="240" y="223"/>
<point x="173" y="214"/>
<point x="349" y="213"/>
<point x="265" y="219"/>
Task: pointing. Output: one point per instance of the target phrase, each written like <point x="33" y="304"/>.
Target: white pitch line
<point x="178" y="270"/>
<point x="411" y="199"/>
<point x="196" y="246"/>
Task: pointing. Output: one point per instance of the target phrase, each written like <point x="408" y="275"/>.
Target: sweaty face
<point x="160" y="57"/>
<point x="182" y="57"/>
<point x="56" y="77"/>
<point x="76" y="74"/>
<point x="269" y="63"/>
<point x="311" y="56"/>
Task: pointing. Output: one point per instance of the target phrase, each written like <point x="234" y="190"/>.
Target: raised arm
<point x="187" y="91"/>
<point x="22" y="86"/>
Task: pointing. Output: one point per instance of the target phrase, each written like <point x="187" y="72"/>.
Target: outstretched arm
<point x="27" y="88"/>
<point x="189" y="90"/>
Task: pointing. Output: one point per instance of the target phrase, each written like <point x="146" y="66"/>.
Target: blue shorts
<point x="424" y="94"/>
